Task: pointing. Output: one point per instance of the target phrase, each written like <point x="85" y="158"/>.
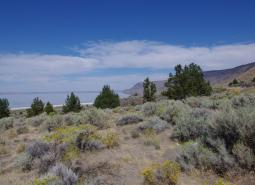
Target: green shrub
<point x="111" y="139"/>
<point x="47" y="180"/>
<point x="244" y="156"/>
<point x="222" y="182"/>
<point x="37" y="149"/>
<point x="6" y="123"/>
<point x="164" y="174"/>
<point x="129" y="119"/>
<point x="149" y="109"/>
<point x="107" y="98"/>
<point x="89" y="140"/>
<point x="174" y="111"/>
<point x="48" y="108"/>
<point x="155" y="124"/>
<point x="194" y="155"/>
<point x="227" y="127"/>
<point x="66" y="175"/>
<point x="150" y="139"/>
<point x="72" y="119"/>
<point x="4" y="108"/>
<point x="192" y="125"/>
<point x="96" y="117"/>
<point x="36" y="107"/>
<point x="24" y="162"/>
<point x="72" y="104"/>
<point x="53" y="122"/>
<point x="36" y="120"/>
<point x="22" y="130"/>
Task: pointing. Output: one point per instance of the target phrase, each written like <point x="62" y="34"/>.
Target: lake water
<point x="24" y="99"/>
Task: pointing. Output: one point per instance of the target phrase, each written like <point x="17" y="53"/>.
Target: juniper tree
<point x="187" y="81"/>
<point x="48" y="108"/>
<point x="107" y="98"/>
<point x="149" y="90"/>
<point x="4" y="108"/>
<point x="37" y="107"/>
<point x="72" y="103"/>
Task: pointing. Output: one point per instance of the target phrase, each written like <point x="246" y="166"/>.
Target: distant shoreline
<point x="23" y="108"/>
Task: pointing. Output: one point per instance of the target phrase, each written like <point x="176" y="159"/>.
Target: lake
<point x="24" y="99"/>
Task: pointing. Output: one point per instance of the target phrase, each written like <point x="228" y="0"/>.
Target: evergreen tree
<point x="36" y="107"/>
<point x="235" y="81"/>
<point x="149" y="90"/>
<point x="107" y="98"/>
<point x="187" y="81"/>
<point x="48" y="108"/>
<point x="72" y="103"/>
<point x="4" y="108"/>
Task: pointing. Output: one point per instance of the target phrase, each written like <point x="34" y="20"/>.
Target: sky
<point x="64" y="45"/>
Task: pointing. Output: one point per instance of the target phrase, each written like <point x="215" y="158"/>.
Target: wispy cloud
<point x="40" y="71"/>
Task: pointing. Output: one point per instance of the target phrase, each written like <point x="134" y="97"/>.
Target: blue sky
<point x="81" y="45"/>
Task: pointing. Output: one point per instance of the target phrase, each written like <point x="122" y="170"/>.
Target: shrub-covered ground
<point x="196" y="141"/>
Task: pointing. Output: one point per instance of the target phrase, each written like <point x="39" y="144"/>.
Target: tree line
<point x="187" y="81"/>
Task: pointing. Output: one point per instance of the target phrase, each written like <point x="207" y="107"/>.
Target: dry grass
<point x="121" y="165"/>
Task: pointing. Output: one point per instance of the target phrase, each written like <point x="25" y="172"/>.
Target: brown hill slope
<point x="216" y="77"/>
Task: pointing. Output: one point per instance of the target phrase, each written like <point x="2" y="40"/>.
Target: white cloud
<point x="160" y="55"/>
<point x="48" y="72"/>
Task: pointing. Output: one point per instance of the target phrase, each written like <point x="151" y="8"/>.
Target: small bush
<point x="37" y="120"/>
<point x="164" y="174"/>
<point x="22" y="130"/>
<point x="72" y="119"/>
<point x="227" y="128"/>
<point x="155" y="124"/>
<point x="6" y="123"/>
<point x="37" y="149"/>
<point x="135" y="133"/>
<point x="149" y="137"/>
<point x="111" y="139"/>
<point x="3" y="150"/>
<point x="194" y="155"/>
<point x="149" y="109"/>
<point x="66" y="175"/>
<point x="89" y="140"/>
<point x="130" y="119"/>
<point x="12" y="133"/>
<point x="67" y="134"/>
<point x="4" y="108"/>
<point x="96" y="117"/>
<point x="46" y="162"/>
<point x="174" y="111"/>
<point x="53" y="122"/>
<point x="222" y="182"/>
<point x="244" y="156"/>
<point x="107" y="98"/>
<point x="24" y="162"/>
<point x="193" y="125"/>
<point x="47" y="180"/>
<point x="20" y="148"/>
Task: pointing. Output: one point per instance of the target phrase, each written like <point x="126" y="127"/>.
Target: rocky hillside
<point x="217" y="77"/>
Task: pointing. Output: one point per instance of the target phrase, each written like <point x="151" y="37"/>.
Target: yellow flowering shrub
<point x="164" y="174"/>
<point x="111" y="139"/>
<point x="222" y="182"/>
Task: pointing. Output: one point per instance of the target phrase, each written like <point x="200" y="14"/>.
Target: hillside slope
<point x="216" y="77"/>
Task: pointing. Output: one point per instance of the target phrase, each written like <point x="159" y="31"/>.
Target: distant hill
<point x="216" y="77"/>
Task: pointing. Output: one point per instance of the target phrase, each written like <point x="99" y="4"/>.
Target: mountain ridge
<point x="222" y="77"/>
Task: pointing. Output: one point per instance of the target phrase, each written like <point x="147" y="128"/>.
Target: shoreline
<point x="55" y="106"/>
